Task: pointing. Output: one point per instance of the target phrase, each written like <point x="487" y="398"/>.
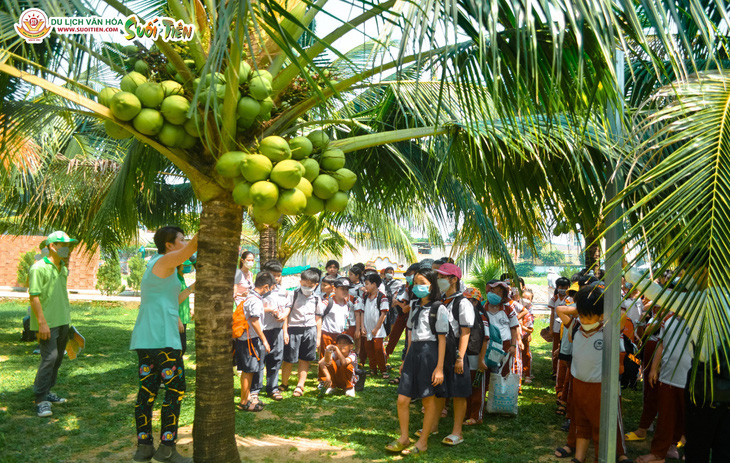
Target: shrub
<point x="137" y="266"/>
<point x="525" y="269"/>
<point x="26" y="260"/>
<point x="551" y="258"/>
<point x="483" y="271"/>
<point x="109" y="278"/>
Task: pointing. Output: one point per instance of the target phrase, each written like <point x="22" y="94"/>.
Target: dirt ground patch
<point x="267" y="448"/>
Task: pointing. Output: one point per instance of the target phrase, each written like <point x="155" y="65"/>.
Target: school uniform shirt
<point x="275" y="300"/>
<point x="304" y="309"/>
<point x="676" y="358"/>
<point x="418" y="322"/>
<point x="253" y="309"/>
<point x="371" y="314"/>
<point x="504" y="321"/>
<point x="465" y="317"/>
<point x="587" y="356"/>
<point x="355" y="293"/>
<point x="566" y="343"/>
<point x="553" y="303"/>
<point x="336" y="319"/>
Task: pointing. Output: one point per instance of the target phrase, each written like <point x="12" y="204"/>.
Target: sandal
<point x="575" y="460"/>
<point x="276" y="395"/>
<point x="386" y="375"/>
<point x="251" y="406"/>
<point x="420" y="431"/>
<point x="561" y="410"/>
<point x="284" y="387"/>
<point x="632" y="436"/>
<point x="413" y="451"/>
<point x="396" y="446"/>
<point x="471" y="422"/>
<point x="452" y="440"/>
<point x="394" y="381"/>
<point x="298" y="392"/>
<point x="561" y="452"/>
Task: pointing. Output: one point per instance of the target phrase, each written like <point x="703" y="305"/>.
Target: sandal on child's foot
<point x="251" y="406"/>
<point x="276" y="395"/>
<point x="472" y="422"/>
<point x="564" y="452"/>
<point x="284" y="387"/>
<point x="394" y="381"/>
<point x="452" y="440"/>
<point x="396" y="446"/>
<point x="386" y="375"/>
<point x="420" y="431"/>
<point x="298" y="392"/>
<point x="413" y="451"/>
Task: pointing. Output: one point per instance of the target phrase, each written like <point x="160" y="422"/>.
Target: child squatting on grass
<point x="337" y="366"/>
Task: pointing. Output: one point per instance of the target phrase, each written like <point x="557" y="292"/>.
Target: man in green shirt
<point x="50" y="316"/>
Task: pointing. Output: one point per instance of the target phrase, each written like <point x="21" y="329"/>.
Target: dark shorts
<point x="418" y="366"/>
<point x="247" y="353"/>
<point x="457" y="385"/>
<point x="302" y="345"/>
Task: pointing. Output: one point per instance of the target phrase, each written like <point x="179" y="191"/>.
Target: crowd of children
<point x="455" y="338"/>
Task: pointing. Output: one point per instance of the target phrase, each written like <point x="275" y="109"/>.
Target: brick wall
<point x="82" y="270"/>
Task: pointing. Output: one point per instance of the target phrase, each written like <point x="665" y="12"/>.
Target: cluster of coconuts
<point x="289" y="177"/>
<point x="562" y="228"/>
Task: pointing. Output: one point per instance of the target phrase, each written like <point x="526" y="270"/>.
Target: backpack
<point x="451" y="341"/>
<point x="495" y="356"/>
<point x="330" y="304"/>
<point x="392" y="311"/>
<point x="476" y="332"/>
<point x="240" y="324"/>
<point x="632" y="364"/>
<point x="28" y="335"/>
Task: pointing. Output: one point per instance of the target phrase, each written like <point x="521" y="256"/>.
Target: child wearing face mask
<point x="422" y="373"/>
<point x="244" y="277"/>
<point x="373" y="307"/>
<point x="527" y="323"/>
<point x="558" y="298"/>
<point x="503" y="316"/>
<point x="586" y="370"/>
<point x="302" y="330"/>
<point x="401" y="302"/>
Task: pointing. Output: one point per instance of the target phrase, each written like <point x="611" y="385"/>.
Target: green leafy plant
<point x="553" y="257"/>
<point x="137" y="266"/>
<point x="26" y="260"/>
<point x="109" y="278"/>
<point x="483" y="271"/>
<point x="525" y="269"/>
<point x="568" y="272"/>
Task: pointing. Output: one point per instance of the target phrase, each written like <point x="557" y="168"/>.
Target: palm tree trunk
<point x="592" y="253"/>
<point x="214" y="434"/>
<point x="268" y="244"/>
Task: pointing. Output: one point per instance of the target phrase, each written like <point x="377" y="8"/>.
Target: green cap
<point x="57" y="237"/>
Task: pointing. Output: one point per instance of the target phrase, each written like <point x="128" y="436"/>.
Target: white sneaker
<point x="350" y="392"/>
<point x="330" y="391"/>
<point x="44" y="409"/>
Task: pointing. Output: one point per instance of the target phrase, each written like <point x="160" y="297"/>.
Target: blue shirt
<point x="156" y="326"/>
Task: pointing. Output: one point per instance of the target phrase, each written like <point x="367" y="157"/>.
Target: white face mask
<point x="307" y="291"/>
<point x="526" y="302"/>
<point x="249" y="264"/>
<point x="443" y="284"/>
<point x="388" y="276"/>
<point x="590" y="326"/>
<point x="63" y="251"/>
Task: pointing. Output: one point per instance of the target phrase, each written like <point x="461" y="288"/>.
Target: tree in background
<point x="27" y="259"/>
<point x="137" y="266"/>
<point x="109" y="278"/>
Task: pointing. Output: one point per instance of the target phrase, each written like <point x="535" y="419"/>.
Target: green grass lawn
<point x="101" y="386"/>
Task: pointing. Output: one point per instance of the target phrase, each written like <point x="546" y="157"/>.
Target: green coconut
<point x="210" y="79"/>
<point x="242" y="194"/>
<point x="275" y="148"/>
<point x="311" y="169"/>
<point x="325" y="186"/>
<point x="189" y="141"/>
<point x="286" y="174"/>
<point x="338" y="202"/>
<point x="345" y="178"/>
<point x="265" y="216"/>
<point x="319" y="140"/>
<point x="115" y="131"/>
<point x="259" y="88"/>
<point x="314" y="206"/>
<point x="141" y="67"/>
<point x="244" y="124"/>
<point x="229" y="164"/>
<point x="125" y="106"/>
<point x="130" y="50"/>
<point x="267" y="104"/>
<point x="305" y="187"/>
<point x="263" y="74"/>
<point x="106" y="94"/>
<point x="244" y="72"/>
<point x="256" y="167"/>
<point x="170" y="87"/>
<point x="220" y="92"/>
<point x="171" y="135"/>
<point x="148" y="121"/>
<point x="300" y="147"/>
<point x="131" y="81"/>
<point x="291" y="202"/>
<point x="150" y="94"/>
<point x="175" y="109"/>
<point x="264" y="194"/>
<point x="332" y="160"/>
<point x="248" y="108"/>
<point x="195" y="125"/>
<point x="302" y="169"/>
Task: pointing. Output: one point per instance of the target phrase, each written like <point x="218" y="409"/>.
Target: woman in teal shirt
<point x="156" y="338"/>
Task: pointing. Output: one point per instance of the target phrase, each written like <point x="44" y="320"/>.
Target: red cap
<point x="450" y="269"/>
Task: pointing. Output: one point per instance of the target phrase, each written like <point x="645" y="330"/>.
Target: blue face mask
<point x="494" y="299"/>
<point x="421" y="290"/>
<point x="409" y="279"/>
